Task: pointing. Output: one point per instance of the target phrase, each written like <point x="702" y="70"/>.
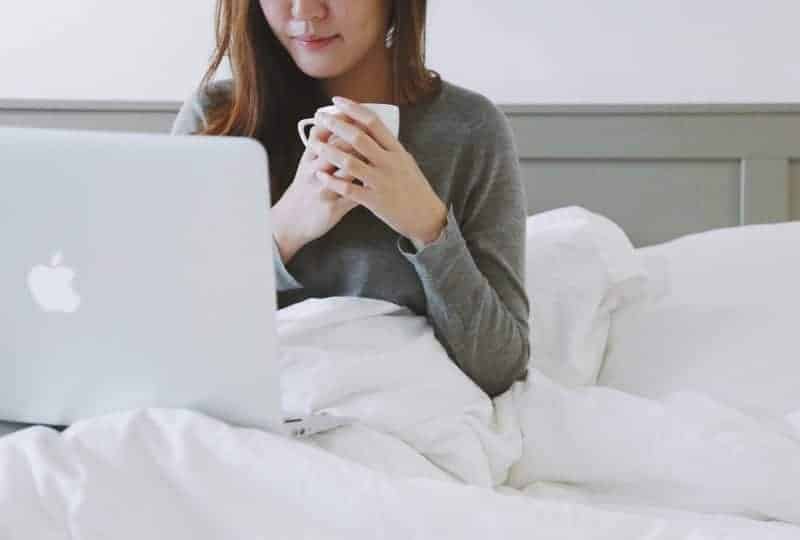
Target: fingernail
<point x="338" y="100"/>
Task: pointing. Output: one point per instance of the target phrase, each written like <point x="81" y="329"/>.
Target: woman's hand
<point x="308" y="209"/>
<point x="394" y="189"/>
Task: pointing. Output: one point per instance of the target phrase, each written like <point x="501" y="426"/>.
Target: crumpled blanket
<point x="380" y="363"/>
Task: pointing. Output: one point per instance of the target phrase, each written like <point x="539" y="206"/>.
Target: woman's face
<point x="355" y="27"/>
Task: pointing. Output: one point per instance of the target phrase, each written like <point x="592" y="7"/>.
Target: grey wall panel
<point x="645" y="134"/>
<point x="141" y="121"/>
<point x="764" y="196"/>
<point x="653" y="201"/>
<point x="794" y="189"/>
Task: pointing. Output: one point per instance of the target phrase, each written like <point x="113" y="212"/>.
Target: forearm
<point x="285" y="246"/>
<point x="485" y="333"/>
<point x="287" y="241"/>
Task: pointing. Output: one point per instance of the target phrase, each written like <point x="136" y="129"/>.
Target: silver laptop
<point x="136" y="272"/>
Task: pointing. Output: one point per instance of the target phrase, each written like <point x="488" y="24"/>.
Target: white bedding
<point x="722" y="320"/>
<point x="580" y="267"/>
<point x="687" y="451"/>
<point x="162" y="473"/>
<point x="594" y="462"/>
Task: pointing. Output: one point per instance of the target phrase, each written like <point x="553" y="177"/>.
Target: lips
<point x="315" y="43"/>
<point x="314" y="39"/>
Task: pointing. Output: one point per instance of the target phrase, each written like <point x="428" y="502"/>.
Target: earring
<point x="389" y="41"/>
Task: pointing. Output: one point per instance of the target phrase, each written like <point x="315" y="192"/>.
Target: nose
<point x="308" y="9"/>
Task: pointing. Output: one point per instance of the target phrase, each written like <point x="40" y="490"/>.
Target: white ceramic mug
<point x="389" y="114"/>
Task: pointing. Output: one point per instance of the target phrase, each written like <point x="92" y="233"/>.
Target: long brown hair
<point x="270" y="94"/>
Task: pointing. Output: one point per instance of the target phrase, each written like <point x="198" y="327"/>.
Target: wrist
<point x="431" y="233"/>
<point x="287" y="248"/>
<point x="285" y="235"/>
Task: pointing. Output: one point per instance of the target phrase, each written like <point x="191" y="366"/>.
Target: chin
<point x="323" y="70"/>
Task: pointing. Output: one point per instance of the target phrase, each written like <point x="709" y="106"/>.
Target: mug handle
<point x="301" y="128"/>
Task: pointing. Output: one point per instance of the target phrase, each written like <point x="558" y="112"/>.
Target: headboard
<point x="659" y="171"/>
<point x="663" y="171"/>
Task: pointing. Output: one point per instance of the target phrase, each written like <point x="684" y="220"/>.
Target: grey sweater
<point x="470" y="281"/>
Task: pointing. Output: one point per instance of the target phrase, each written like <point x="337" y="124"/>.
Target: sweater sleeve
<point x="473" y="275"/>
<point x="190" y="120"/>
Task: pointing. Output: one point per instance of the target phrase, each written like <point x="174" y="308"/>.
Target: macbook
<point x="137" y="271"/>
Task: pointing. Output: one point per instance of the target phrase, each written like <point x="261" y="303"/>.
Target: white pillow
<point x="725" y="323"/>
<point x="580" y="267"/>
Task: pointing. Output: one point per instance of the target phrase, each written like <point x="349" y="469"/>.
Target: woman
<point x="433" y="219"/>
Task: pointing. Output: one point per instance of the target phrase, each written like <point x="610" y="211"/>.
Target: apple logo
<point x="51" y="286"/>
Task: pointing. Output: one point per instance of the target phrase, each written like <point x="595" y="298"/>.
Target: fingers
<point x="321" y="133"/>
<point x="347" y="189"/>
<point x="370" y="121"/>
<point x="355" y="136"/>
<point x="340" y="143"/>
<point x="347" y="163"/>
<point x="319" y="164"/>
<point x="318" y="133"/>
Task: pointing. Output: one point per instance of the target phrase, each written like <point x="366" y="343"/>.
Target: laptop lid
<point x="136" y="272"/>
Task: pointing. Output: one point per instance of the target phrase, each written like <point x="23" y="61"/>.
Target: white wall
<point x="539" y="51"/>
<point x="621" y="50"/>
<point x="103" y="49"/>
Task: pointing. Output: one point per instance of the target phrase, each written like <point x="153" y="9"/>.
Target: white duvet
<point x="427" y="459"/>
